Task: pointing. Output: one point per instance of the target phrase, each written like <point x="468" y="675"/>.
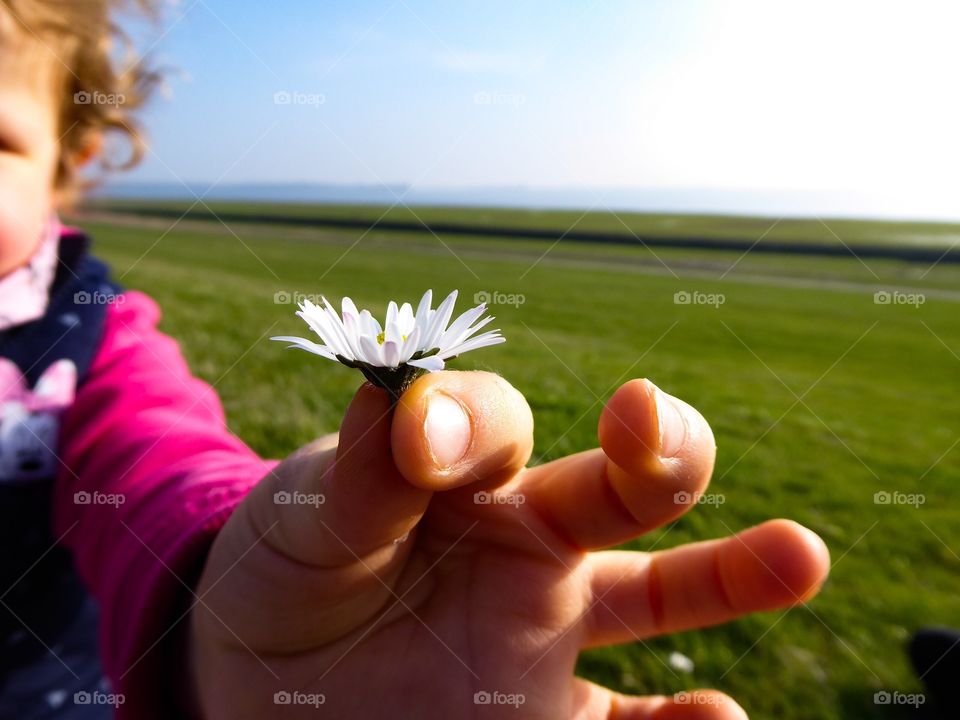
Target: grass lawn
<point x="818" y="396"/>
<point x="764" y="230"/>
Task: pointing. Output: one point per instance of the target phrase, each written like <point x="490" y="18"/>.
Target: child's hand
<point x="406" y="594"/>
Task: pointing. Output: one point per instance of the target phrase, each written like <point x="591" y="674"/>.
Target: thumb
<point x="455" y="428"/>
<point x="449" y="429"/>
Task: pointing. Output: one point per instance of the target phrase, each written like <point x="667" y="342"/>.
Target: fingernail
<point x="447" y="428"/>
<point x="673" y="428"/>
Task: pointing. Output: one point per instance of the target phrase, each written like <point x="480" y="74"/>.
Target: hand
<point x="405" y="595"/>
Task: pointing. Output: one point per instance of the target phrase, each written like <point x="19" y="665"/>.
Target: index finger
<point x="655" y="460"/>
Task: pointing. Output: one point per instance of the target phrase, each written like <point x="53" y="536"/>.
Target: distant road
<point x="784" y="247"/>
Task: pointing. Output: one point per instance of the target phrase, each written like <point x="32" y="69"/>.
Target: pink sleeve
<point x="144" y="430"/>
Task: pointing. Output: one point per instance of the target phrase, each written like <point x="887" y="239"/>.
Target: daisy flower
<point x="408" y="344"/>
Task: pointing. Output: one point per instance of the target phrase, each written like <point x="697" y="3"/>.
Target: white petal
<point x="337" y="325"/>
<point x="424" y="311"/>
<point x="308" y="345"/>
<point x="410" y="345"/>
<point x="351" y="327"/>
<point x="458" y="329"/>
<point x="406" y="319"/>
<point x="431" y="364"/>
<point x="391" y="313"/>
<point x="485" y="340"/>
<point x="338" y="337"/>
<point x="438" y="323"/>
<point x="308" y="306"/>
<point x="391" y="354"/>
<point x="317" y="319"/>
<point x="392" y="333"/>
<point x="369" y="324"/>
<point x="473" y="330"/>
<point x="348" y="307"/>
<point x="371" y="350"/>
<point x="308" y="311"/>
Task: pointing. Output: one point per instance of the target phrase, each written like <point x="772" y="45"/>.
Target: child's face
<point x="31" y="79"/>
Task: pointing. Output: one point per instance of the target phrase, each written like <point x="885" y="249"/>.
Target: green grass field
<point x="765" y="230"/>
<point x="819" y="398"/>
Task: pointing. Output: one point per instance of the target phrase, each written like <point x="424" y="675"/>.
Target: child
<point x="154" y="566"/>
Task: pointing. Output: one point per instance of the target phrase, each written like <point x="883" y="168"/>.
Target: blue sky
<point x="855" y="97"/>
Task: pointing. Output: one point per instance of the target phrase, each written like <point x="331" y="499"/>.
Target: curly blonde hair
<point x="101" y="87"/>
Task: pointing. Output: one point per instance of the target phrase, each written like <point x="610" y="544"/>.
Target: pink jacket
<point x="142" y="426"/>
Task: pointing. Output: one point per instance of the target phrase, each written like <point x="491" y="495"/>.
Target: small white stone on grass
<point x="679" y="661"/>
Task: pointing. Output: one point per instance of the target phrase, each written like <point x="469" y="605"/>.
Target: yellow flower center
<point x="383" y="336"/>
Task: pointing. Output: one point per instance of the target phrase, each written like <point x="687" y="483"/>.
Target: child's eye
<point x="8" y="146"/>
<point x="12" y="136"/>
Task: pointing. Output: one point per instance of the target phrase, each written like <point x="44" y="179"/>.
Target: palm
<point x="469" y="606"/>
<point x="472" y="616"/>
<point x="482" y="608"/>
